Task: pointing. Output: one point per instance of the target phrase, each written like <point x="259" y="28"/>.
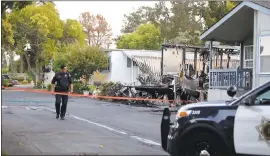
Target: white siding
<point x="264" y="23"/>
<point x="119" y="70"/>
<point x="261" y="28"/>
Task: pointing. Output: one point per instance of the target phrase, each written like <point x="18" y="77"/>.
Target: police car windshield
<point x="250" y="92"/>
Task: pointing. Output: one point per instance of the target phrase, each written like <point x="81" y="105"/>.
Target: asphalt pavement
<point x="92" y="127"/>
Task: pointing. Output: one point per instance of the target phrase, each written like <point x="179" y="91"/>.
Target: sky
<point x="113" y="11"/>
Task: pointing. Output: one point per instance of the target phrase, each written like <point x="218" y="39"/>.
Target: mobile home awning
<point x="149" y="62"/>
<point x="237" y="25"/>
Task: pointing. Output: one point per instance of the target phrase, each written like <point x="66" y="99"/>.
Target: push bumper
<point x="169" y="133"/>
<point x="165" y="127"/>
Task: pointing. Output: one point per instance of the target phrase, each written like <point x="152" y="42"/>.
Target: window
<point x="263" y="97"/>
<point x="109" y="63"/>
<point x="128" y="62"/>
<point x="248" y="57"/>
<point x="264" y="54"/>
<point x="108" y="68"/>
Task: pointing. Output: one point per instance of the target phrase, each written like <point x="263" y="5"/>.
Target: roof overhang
<point x="236" y="26"/>
<point x="141" y="53"/>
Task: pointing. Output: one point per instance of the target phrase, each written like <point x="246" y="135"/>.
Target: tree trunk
<point x="216" y="61"/>
<point x="37" y="73"/>
<point x="22" y="63"/>
<point x="203" y="64"/>
<point x="195" y="62"/>
<point x="28" y="64"/>
<point x="12" y="63"/>
<point x="89" y="41"/>
<point x="221" y="61"/>
<point x="228" y="61"/>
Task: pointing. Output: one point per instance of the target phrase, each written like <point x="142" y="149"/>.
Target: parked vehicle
<point x="220" y="128"/>
<point x="6" y="81"/>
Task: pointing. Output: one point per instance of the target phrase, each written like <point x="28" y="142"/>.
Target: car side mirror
<point x="247" y="101"/>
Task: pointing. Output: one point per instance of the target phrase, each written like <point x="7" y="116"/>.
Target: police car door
<point x="252" y="125"/>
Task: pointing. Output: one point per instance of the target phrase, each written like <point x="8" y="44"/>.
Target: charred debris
<point x="179" y="79"/>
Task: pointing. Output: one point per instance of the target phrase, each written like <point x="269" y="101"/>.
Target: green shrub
<point x="5" y="82"/>
<point x="84" y="87"/>
<point x="24" y="82"/>
<point x="39" y="85"/>
<point x="21" y="78"/>
<point x="49" y="87"/>
<point x="4" y="70"/>
<point x="77" y="88"/>
<point x="92" y="88"/>
<point x="18" y="78"/>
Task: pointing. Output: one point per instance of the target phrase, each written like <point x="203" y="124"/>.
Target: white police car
<point x="225" y="128"/>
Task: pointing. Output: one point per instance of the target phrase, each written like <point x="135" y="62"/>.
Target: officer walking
<point x="63" y="84"/>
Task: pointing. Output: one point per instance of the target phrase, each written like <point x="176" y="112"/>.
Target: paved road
<point x="91" y="127"/>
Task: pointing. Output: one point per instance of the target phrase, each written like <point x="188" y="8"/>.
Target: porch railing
<point x="223" y="78"/>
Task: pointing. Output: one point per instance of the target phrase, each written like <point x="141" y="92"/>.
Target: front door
<point x="252" y="125"/>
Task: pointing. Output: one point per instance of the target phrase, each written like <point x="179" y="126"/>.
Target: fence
<point x="223" y="78"/>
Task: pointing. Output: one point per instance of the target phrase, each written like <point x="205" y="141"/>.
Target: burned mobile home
<point x="182" y="73"/>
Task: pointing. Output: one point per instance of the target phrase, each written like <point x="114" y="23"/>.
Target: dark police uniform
<point x="63" y="80"/>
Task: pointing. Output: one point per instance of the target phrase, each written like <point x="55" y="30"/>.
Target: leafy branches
<point x="179" y="21"/>
<point x="146" y="36"/>
<point x="97" y="30"/>
<point x="81" y="59"/>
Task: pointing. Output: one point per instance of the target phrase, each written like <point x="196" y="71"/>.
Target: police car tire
<point x="213" y="141"/>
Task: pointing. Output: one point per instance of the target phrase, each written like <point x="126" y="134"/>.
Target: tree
<point x="41" y="27"/>
<point x="136" y="18"/>
<point x="72" y="32"/>
<point x="211" y="11"/>
<point x="174" y="21"/>
<point x="146" y="36"/>
<point x="11" y="5"/>
<point x="6" y="28"/>
<point x="6" y="34"/>
<point x="184" y="24"/>
<point x="180" y="22"/>
<point x="81" y="60"/>
<point x="159" y="15"/>
<point x="98" y="31"/>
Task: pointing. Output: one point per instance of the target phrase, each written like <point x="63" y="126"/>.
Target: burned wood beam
<point x="195" y="61"/>
<point x="184" y="56"/>
<point x="221" y="61"/>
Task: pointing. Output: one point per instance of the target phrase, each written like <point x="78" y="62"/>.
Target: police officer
<point x="63" y="84"/>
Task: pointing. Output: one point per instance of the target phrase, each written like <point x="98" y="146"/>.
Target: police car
<point x="224" y="128"/>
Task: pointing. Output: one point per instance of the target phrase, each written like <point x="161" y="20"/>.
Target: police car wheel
<point x="205" y="144"/>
